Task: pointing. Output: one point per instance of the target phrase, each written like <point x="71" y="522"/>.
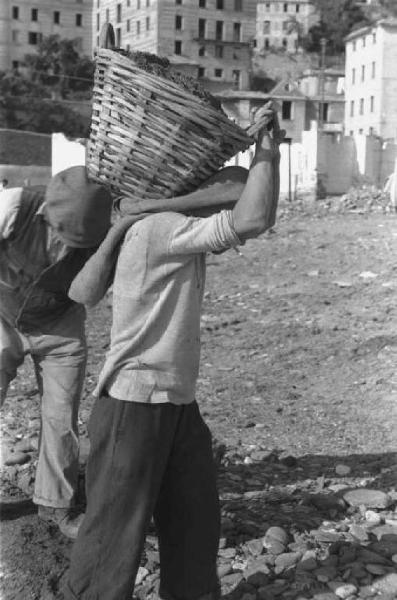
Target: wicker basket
<point x="150" y="138"/>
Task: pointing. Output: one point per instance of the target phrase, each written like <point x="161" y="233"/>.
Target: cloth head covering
<point x="78" y="209"/>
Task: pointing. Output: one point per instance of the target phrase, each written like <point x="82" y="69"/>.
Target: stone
<point x="277" y="533"/>
<point x="341" y="589"/>
<point x="227" y="552"/>
<point x="307" y="564"/>
<point x="255" y="547"/>
<point x="17" y="458"/>
<point x="286" y="560"/>
<point x="387" y="584"/>
<point x="140" y="576"/>
<point x="375" y="569"/>
<point x="342" y="470"/>
<point x="394" y="558"/>
<point x="368" y="498"/>
<point x="372" y="517"/>
<point x="368" y="556"/>
<point x="224" y="569"/>
<point x="248" y="596"/>
<point x="325" y="574"/>
<point x="321" y="535"/>
<point x="257" y="579"/>
<point x="358" y="570"/>
<point x="385" y="530"/>
<point x="230" y="581"/>
<point x="324" y="596"/>
<point x="359" y="532"/>
<point x="274" y="547"/>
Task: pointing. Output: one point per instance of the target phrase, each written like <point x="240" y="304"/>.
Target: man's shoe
<point x="66" y="518"/>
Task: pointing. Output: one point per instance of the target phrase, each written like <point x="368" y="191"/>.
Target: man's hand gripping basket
<point x="150" y="137"/>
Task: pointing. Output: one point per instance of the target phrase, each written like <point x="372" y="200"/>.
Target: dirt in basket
<point x="160" y="66"/>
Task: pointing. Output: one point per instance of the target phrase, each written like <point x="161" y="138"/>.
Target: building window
<point x="128" y="25"/>
<point x="352" y="108"/>
<point x="147" y="23"/>
<point x="178" y="47"/>
<point x="118" y="13"/>
<point x="361" y="106"/>
<point x="285" y="42"/>
<point x="201" y="3"/>
<point x="118" y="37"/>
<point x="374" y="38"/>
<point x="34" y="14"/>
<point x="218" y="72"/>
<point x="285" y="26"/>
<point x="107" y="15"/>
<point x="266" y="27"/>
<point x="219" y="4"/>
<point x="219" y="30"/>
<point x="236" y="32"/>
<point x="178" y="22"/>
<point x="15" y="65"/>
<point x="178" y="2"/>
<point x="79" y="20"/>
<point x="138" y="28"/>
<point x="363" y="40"/>
<point x="201" y="51"/>
<point x="372" y="104"/>
<point x="147" y="3"/>
<point x="267" y="6"/>
<point x="286" y="110"/>
<point x="354" y="46"/>
<point x="236" y="79"/>
<point x="98" y="3"/>
<point x="33" y="38"/>
<point x="266" y="44"/>
<point x="128" y="3"/>
<point x="128" y="47"/>
<point x="15" y="12"/>
<point x="238" y="5"/>
<point x="373" y="70"/>
<point x="15" y="36"/>
<point x="353" y="76"/>
<point x="285" y="7"/>
<point x="325" y="112"/>
<point x="362" y="72"/>
<point x="201" y="72"/>
<point x="361" y="131"/>
<point x="218" y="51"/>
<point x="57" y="17"/>
<point x="297" y="7"/>
<point x="370" y="131"/>
<point x="201" y="28"/>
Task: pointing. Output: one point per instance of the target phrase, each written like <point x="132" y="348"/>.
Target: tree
<point x="27" y="105"/>
<point x="337" y="19"/>
<point x="58" y="66"/>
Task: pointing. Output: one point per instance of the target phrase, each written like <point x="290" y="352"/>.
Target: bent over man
<point x="46" y="236"/>
<point x="151" y="451"/>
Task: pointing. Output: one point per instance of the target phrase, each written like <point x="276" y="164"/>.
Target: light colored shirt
<point x="157" y="294"/>
<point x="10" y="201"/>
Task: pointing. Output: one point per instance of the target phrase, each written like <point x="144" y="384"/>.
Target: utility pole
<point x="323" y="43"/>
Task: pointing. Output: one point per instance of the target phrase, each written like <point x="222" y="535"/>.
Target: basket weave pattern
<point x="150" y="138"/>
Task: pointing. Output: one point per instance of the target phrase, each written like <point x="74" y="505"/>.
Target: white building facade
<point x="279" y="23"/>
<point x="24" y="23"/>
<point x="213" y="37"/>
<point x="371" y="80"/>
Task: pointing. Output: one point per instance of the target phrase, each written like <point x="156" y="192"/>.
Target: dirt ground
<point x="299" y="357"/>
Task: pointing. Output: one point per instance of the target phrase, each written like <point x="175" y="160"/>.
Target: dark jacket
<point x="33" y="292"/>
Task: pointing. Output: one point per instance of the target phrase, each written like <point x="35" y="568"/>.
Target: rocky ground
<point x="299" y="388"/>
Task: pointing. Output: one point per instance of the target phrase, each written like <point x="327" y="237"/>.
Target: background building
<point x="212" y="38"/>
<point x="279" y="23"/>
<point x="371" y="80"/>
<point x="23" y="23"/>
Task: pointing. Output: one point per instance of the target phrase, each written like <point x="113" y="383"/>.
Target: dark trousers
<point x="147" y="460"/>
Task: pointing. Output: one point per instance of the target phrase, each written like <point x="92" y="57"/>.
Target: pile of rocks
<point x="347" y="558"/>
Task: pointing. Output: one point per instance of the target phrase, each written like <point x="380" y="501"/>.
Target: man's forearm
<point x="255" y="210"/>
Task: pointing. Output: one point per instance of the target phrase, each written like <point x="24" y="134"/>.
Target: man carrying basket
<point x="151" y="452"/>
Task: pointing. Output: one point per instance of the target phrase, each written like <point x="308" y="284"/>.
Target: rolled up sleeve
<point x="10" y="201"/>
<point x="210" y="234"/>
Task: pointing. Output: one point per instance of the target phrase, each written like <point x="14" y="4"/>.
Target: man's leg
<point x="59" y="355"/>
<point x="187" y="514"/>
<point x="12" y="354"/>
<point x="130" y="446"/>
